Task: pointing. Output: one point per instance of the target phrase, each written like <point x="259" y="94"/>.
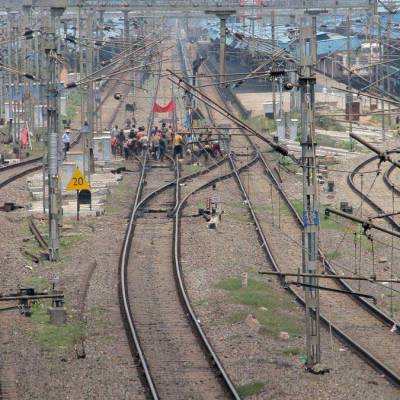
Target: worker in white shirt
<point x="66" y="141"/>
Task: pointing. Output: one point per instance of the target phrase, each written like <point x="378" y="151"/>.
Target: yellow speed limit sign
<point x="78" y="182"/>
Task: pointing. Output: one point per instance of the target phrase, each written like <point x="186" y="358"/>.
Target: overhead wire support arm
<point x="329" y="276"/>
<point x="328" y="289"/>
<point x="366" y="223"/>
<point x="383" y="155"/>
<point x="390" y="214"/>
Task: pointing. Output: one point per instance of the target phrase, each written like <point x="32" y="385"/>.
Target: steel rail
<point x="369" y="307"/>
<point x="126" y="311"/>
<point x="388" y="181"/>
<point x="391" y="375"/>
<point x="183" y="290"/>
<point x="380" y="314"/>
<point x="18" y="175"/>
<point x="38" y="236"/>
<point x="125" y="308"/>
<point x="366" y="198"/>
<point x="123" y="291"/>
<point x="20" y="164"/>
<point x="27" y="171"/>
<point x="378" y="365"/>
<point x="123" y="265"/>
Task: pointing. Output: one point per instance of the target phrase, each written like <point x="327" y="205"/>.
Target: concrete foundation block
<point x="284" y="335"/>
<point x="102" y="149"/>
<point x="67" y="170"/>
<point x="78" y="158"/>
<point x="252" y="323"/>
<point x="280" y="129"/>
<point x="58" y="315"/>
<point x="293" y="129"/>
<point x="37" y="196"/>
<point x="244" y="280"/>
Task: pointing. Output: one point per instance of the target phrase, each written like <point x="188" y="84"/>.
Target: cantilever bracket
<point x="359" y="294"/>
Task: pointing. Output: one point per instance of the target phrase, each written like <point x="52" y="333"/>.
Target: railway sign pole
<point x="310" y="240"/>
<point x="78" y="183"/>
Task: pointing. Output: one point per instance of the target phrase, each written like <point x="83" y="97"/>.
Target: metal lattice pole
<point x="310" y="196"/>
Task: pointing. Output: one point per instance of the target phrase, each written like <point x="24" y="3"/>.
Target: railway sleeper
<point x="156" y="210"/>
<point x="10" y="206"/>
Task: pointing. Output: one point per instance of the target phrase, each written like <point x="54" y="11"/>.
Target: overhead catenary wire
<point x="123" y="55"/>
<point x="216" y="107"/>
<point x="333" y="262"/>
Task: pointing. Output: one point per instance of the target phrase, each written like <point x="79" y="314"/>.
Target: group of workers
<point x="133" y="141"/>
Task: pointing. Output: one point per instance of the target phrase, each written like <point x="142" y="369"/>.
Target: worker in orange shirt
<point x="178" y="145"/>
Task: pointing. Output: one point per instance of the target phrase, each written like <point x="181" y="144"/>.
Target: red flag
<point x="24" y="136"/>
<point x="163" y="109"/>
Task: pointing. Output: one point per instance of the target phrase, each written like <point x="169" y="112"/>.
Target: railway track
<point x="111" y="90"/>
<point x="116" y="109"/>
<point x="19" y="171"/>
<point x="175" y="356"/>
<point x="177" y="365"/>
<point x="388" y="180"/>
<point x="155" y="284"/>
<point x="360" y="328"/>
<point x="356" y="322"/>
<point x="366" y="197"/>
<point x="12" y="172"/>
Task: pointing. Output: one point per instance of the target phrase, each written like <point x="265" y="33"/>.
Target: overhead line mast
<point x="53" y="135"/>
<point x="310" y="233"/>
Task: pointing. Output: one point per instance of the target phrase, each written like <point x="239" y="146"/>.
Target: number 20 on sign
<point x="78" y="181"/>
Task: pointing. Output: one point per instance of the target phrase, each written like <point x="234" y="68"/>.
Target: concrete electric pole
<point x="274" y="46"/>
<point x="11" y="119"/>
<point x="385" y="55"/>
<point x="381" y="78"/>
<point x="126" y="27"/>
<point x="349" y="96"/>
<point x="81" y="62"/>
<point x="90" y="99"/>
<point x="307" y="79"/>
<point x="99" y="39"/>
<point x="53" y="134"/>
<point x="223" y="16"/>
